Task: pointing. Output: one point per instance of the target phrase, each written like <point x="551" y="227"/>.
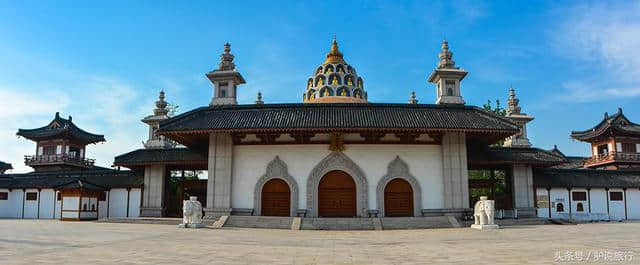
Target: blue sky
<point x="570" y="61"/>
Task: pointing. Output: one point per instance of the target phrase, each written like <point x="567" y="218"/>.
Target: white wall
<point x="633" y="203"/>
<point x="559" y="195"/>
<point x="575" y="214"/>
<point x="118" y="203"/>
<point x="616" y="208"/>
<point x="250" y="162"/>
<point x="134" y="202"/>
<point x="31" y="207"/>
<point x="102" y="206"/>
<point x="47" y="199"/>
<point x="12" y="207"/>
<point x="542" y="208"/>
<point x="599" y="204"/>
<point x="58" y="206"/>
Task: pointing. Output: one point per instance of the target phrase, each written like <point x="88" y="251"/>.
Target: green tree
<point x="497" y="110"/>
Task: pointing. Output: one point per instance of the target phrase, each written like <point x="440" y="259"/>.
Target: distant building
<point x="604" y="186"/>
<point x="65" y="184"/>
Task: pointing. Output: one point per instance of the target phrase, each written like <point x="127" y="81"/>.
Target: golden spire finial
<point x="334" y="55"/>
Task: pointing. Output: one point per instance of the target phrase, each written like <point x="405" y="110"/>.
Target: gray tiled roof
<point x="617" y="122"/>
<point x="5" y="166"/>
<point x="585" y="178"/>
<point x="104" y="178"/>
<point x="62" y="129"/>
<point x="514" y="155"/>
<point x="162" y="156"/>
<point x="80" y="184"/>
<point x="351" y="116"/>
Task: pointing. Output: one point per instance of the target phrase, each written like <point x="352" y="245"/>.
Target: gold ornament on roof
<point x="335" y="81"/>
<point x="334" y="56"/>
<point x="349" y="82"/>
<point x="344" y="93"/>
<point x="326" y="93"/>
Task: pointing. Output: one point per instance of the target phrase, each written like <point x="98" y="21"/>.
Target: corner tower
<point x="225" y="79"/>
<point x="521" y="119"/>
<point x="335" y="81"/>
<point x="160" y="113"/>
<point x="447" y="78"/>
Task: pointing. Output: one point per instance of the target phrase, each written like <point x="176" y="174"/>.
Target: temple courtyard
<point x="56" y="242"/>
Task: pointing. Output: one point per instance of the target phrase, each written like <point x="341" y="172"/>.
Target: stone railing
<point x="612" y="157"/>
<point x="37" y="160"/>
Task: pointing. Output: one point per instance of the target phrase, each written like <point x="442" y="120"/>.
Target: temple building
<point x="65" y="184"/>
<point x="334" y="154"/>
<point x="337" y="154"/>
<point x="604" y="186"/>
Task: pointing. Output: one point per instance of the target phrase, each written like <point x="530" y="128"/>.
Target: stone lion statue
<point x="191" y="212"/>
<point x="483" y="213"/>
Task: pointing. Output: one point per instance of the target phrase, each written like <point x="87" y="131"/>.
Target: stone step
<point x="390" y="223"/>
<point x="337" y="224"/>
<point x="272" y="222"/>
<point x="150" y="220"/>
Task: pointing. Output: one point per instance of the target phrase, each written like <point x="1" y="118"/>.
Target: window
<point x="59" y="196"/>
<point x="32" y="196"/>
<point x="559" y="207"/>
<point x="579" y="196"/>
<point x="93" y="207"/>
<point x="615" y="195"/>
<point x="579" y="207"/>
<point x="84" y="207"/>
<point x="49" y="150"/>
<point x="628" y="148"/>
<point x="4" y="196"/>
<point x="603" y="149"/>
<point x="102" y="196"/>
<point x="449" y="85"/>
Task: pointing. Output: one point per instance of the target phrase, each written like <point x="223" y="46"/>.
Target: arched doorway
<point x="337" y="195"/>
<point x="398" y="198"/>
<point x="276" y="198"/>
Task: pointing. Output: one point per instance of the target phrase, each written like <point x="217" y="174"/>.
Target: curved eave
<point x="66" y="133"/>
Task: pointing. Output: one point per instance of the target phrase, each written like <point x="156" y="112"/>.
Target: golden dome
<point x="335" y="81"/>
<point x="334" y="56"/>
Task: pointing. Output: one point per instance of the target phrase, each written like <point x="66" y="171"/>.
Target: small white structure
<point x="192" y="213"/>
<point x="483" y="213"/>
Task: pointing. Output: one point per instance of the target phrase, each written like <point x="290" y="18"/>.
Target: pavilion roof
<point x="616" y="124"/>
<point x="513" y="155"/>
<point x="106" y="178"/>
<point x="5" y="166"/>
<point x="169" y="156"/>
<point x="586" y="178"/>
<point x="328" y="117"/>
<point x="60" y="128"/>
<point x="81" y="184"/>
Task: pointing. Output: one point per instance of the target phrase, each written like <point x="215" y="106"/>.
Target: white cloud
<point x="605" y="36"/>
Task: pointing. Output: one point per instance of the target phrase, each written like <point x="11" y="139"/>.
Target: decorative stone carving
<point x="191" y="213"/>
<point x="337" y="161"/>
<point x="397" y="168"/>
<point x="276" y="169"/>
<point x="483" y="213"/>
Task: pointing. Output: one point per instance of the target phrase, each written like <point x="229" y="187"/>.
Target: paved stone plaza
<point x="54" y="242"/>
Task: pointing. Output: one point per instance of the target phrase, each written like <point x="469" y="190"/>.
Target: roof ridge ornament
<point x="259" y="98"/>
<point x="334" y="56"/>
<point x="446" y="57"/>
<point x="161" y="105"/>
<point x="513" y="102"/>
<point x="226" y="59"/>
<point x="412" y="98"/>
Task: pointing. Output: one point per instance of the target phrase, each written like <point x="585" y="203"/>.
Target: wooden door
<point x="276" y="198"/>
<point x="337" y="195"/>
<point x="398" y="198"/>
